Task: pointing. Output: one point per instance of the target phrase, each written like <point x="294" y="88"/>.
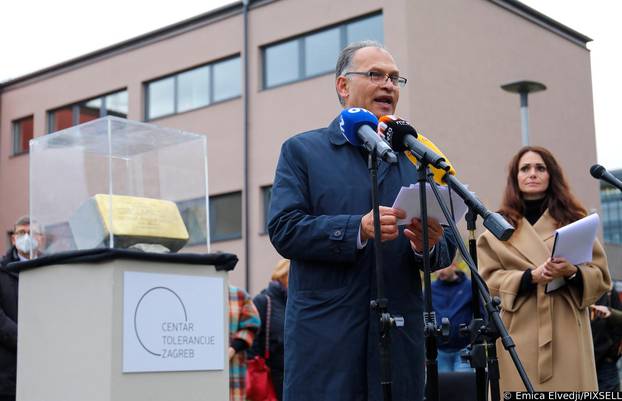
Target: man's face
<point x="359" y="91"/>
<point x="447" y="274"/>
<point x="19" y="231"/>
<point x="17" y="239"/>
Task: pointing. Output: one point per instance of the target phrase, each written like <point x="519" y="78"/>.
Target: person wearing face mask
<point x="551" y="330"/>
<point x="22" y="244"/>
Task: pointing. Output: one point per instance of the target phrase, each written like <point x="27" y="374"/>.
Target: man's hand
<point x="414" y="232"/>
<point x="388" y="224"/>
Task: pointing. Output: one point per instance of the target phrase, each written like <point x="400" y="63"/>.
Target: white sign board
<point x="172" y="323"/>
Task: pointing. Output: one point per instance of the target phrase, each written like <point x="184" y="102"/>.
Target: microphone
<point x="389" y="132"/>
<point x="358" y="126"/>
<point x="402" y="136"/>
<point x="600" y="173"/>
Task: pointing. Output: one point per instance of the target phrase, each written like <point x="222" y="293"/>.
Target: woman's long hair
<point x="560" y="202"/>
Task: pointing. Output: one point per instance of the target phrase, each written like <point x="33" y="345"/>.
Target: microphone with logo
<point x="437" y="172"/>
<point x="600" y="173"/>
<point x="358" y="126"/>
<point x="403" y="137"/>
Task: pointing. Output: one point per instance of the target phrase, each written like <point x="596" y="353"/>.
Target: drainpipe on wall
<point x="245" y="189"/>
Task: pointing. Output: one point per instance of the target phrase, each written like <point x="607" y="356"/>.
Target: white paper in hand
<point x="574" y="242"/>
<point x="408" y="200"/>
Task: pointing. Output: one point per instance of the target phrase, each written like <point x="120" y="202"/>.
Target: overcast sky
<point x="38" y="34"/>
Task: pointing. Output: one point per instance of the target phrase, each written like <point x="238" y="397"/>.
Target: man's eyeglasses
<point x="380" y="77"/>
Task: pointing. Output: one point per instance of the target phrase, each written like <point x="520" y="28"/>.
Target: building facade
<point x="191" y="76"/>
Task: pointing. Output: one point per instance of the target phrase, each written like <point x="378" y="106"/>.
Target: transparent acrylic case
<point x="113" y="183"/>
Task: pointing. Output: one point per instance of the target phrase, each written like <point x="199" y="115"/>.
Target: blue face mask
<point x="25" y="244"/>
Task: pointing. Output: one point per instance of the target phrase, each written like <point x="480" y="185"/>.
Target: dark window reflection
<point x="115" y="104"/>
<point x="23" y="132"/>
<point x="225" y="216"/>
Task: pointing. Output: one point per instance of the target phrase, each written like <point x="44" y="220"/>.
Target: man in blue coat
<point x="321" y="219"/>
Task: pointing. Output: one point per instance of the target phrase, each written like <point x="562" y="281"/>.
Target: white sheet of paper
<point x="574" y="242"/>
<point x="408" y="200"/>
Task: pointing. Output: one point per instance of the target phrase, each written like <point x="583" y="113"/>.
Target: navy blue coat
<point x="320" y="193"/>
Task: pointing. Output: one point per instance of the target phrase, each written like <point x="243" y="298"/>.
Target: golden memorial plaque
<point x="132" y="220"/>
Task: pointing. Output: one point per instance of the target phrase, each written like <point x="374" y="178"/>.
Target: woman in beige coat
<point x="551" y="331"/>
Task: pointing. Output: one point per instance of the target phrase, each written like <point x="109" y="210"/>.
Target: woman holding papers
<point x="551" y="330"/>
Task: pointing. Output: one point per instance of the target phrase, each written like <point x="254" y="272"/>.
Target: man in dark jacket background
<point x="21" y="246"/>
<point x="451" y="298"/>
<point x="607" y="333"/>
<point x="320" y="218"/>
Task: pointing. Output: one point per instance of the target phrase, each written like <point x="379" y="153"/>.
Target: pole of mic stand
<point x="380" y="304"/>
<point x="429" y="317"/>
<point x="480" y="371"/>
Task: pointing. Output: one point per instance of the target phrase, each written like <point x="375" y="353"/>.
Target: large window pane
<point x="161" y="96"/>
<point x="23" y="131"/>
<point x="281" y="63"/>
<point x="193" y="89"/>
<point x="193" y="213"/>
<point x="366" y="29"/>
<point x="321" y="51"/>
<point x="90" y="110"/>
<point x="117" y="104"/>
<point x="61" y="118"/>
<point x="227" y="77"/>
<point x="225" y="216"/>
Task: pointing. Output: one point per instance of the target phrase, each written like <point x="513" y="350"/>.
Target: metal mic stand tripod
<point x="492" y="306"/>
<point x="380" y="304"/>
<point x="430" y="329"/>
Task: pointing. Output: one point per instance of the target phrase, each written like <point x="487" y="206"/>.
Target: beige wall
<point x="456" y="55"/>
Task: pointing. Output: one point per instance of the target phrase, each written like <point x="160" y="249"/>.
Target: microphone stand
<point x="478" y="349"/>
<point x="430" y="329"/>
<point x="380" y="304"/>
<point x="492" y="306"/>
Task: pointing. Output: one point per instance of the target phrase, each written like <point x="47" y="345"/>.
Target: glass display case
<point x="116" y="183"/>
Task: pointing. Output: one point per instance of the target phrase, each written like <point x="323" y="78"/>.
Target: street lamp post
<point x="524" y="88"/>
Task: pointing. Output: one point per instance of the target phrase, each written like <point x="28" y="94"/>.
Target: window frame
<point x="212" y="215"/>
<point x="16" y="130"/>
<point x="175" y="76"/>
<point x="301" y="46"/>
<point x="75" y="109"/>
<point x="266" y="197"/>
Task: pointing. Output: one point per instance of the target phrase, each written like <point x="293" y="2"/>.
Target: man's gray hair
<point x="22" y="221"/>
<point x="344" y="61"/>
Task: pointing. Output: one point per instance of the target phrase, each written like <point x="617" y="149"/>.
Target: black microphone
<point x="601" y="173"/>
<point x="402" y="136"/>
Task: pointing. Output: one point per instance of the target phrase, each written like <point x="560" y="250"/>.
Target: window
<point x="225" y="216"/>
<point x="193" y="214"/>
<point x="114" y="104"/>
<point x="266" y="193"/>
<point x="611" y="203"/>
<point x="23" y="132"/>
<point x="192" y="89"/>
<point x="316" y="53"/>
<point x="227" y="81"/>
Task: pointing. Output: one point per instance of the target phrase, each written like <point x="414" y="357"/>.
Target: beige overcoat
<point x="551" y="331"/>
